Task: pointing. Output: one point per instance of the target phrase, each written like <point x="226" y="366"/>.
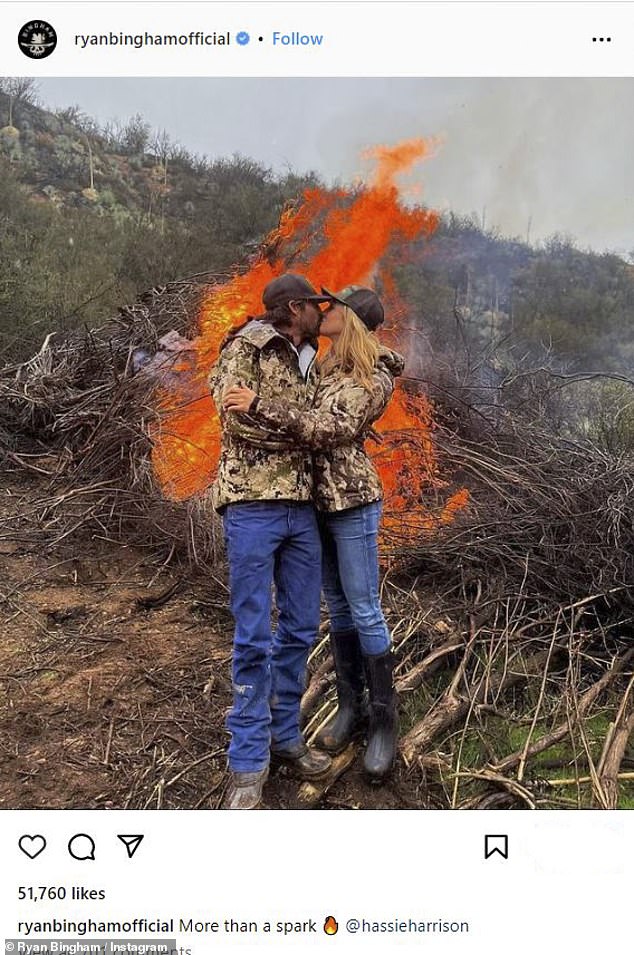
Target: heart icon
<point x="31" y="846"/>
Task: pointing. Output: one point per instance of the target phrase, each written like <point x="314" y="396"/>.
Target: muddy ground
<point x="106" y="702"/>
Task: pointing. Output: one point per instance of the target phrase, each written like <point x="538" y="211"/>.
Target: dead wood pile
<point x="78" y="415"/>
<point x="512" y="624"/>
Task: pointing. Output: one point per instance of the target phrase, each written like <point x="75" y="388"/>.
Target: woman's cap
<point x="364" y="302"/>
<point x="290" y="287"/>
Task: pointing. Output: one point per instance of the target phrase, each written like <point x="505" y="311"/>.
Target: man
<point x="263" y="490"/>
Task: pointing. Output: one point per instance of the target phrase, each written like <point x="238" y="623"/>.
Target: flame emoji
<point x="331" y="926"/>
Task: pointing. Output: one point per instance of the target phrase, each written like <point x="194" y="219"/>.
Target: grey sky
<point x="556" y="151"/>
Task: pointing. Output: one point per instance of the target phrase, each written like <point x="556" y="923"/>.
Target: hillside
<point x="92" y="217"/>
<point x="127" y="170"/>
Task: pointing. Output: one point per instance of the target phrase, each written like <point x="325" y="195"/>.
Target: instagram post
<point x="316" y="422"/>
<point x="316" y="498"/>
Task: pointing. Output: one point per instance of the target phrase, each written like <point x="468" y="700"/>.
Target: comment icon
<point x="82" y="847"/>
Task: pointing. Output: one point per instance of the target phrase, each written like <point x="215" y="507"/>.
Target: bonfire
<point x="507" y="548"/>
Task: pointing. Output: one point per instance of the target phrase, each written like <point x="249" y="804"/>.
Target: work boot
<point x="245" y="790"/>
<point x="350" y="714"/>
<point x="305" y="762"/>
<point x="383" y="728"/>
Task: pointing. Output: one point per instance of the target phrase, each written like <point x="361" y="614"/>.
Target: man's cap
<point x="364" y="302"/>
<point x="290" y="287"/>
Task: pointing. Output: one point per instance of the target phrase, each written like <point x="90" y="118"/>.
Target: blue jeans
<point x="350" y="568"/>
<point x="270" y="542"/>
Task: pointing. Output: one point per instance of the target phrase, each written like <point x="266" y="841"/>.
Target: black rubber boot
<point x="350" y="715"/>
<point x="381" y="749"/>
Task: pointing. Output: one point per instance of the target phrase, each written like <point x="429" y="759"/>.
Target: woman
<point x="356" y="381"/>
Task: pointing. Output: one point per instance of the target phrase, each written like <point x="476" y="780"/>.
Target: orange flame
<point x="351" y="230"/>
<point x="331" y="926"/>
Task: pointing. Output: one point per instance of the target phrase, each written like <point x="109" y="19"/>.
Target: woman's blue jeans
<point x="270" y="542"/>
<point x="350" y="571"/>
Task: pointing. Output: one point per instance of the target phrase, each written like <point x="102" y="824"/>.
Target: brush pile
<point x="513" y="623"/>
<point x="80" y="414"/>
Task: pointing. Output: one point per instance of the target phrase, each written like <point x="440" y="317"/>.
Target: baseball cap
<point x="364" y="302"/>
<point x="290" y="287"/>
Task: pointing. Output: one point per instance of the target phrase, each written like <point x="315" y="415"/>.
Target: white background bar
<point x="359" y="39"/>
<point x="565" y="886"/>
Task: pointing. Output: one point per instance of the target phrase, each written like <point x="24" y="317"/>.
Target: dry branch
<point x="420" y="671"/>
<point x="614" y="749"/>
<point x="451" y="707"/>
<point x="318" y="684"/>
<point x="591" y="695"/>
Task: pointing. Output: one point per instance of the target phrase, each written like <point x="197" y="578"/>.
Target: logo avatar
<point x="37" y="39"/>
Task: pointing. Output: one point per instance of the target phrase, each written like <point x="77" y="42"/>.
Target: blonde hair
<point x="355" y="351"/>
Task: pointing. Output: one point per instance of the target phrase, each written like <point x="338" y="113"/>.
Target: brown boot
<point x="245" y="790"/>
<point x="305" y="762"/>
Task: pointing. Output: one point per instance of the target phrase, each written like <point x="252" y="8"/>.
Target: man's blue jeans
<point x="351" y="574"/>
<point x="270" y="542"/>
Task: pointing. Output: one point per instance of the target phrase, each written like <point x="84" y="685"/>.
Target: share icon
<point x="131" y="843"/>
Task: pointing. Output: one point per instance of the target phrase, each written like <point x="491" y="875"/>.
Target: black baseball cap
<point x="364" y="302"/>
<point x="290" y="287"/>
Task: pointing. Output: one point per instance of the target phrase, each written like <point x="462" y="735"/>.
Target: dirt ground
<point x="108" y="703"/>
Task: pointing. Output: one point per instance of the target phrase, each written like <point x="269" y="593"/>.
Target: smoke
<point x="556" y="152"/>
